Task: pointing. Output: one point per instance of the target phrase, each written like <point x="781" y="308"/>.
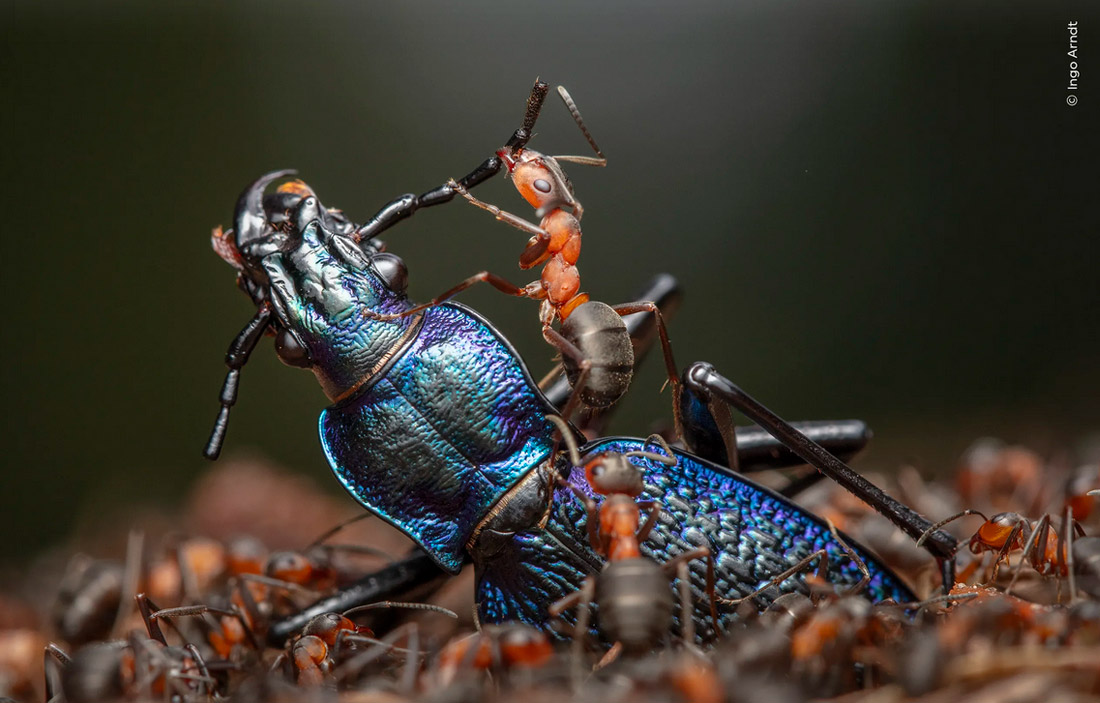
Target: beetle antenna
<point x="235" y="359"/>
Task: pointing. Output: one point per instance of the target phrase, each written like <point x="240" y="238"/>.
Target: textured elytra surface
<point x="442" y="435"/>
<point x="754" y="534"/>
<point x="322" y="299"/>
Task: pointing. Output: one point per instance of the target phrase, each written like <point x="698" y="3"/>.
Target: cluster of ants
<point x="191" y="622"/>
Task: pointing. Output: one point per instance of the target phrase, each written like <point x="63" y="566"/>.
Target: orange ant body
<point x="507" y="646"/>
<point x="1005" y="533"/>
<point x="556" y="240"/>
<point x="615" y="529"/>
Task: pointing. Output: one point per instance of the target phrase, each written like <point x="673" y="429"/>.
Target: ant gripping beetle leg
<point x="593" y="340"/>
<point x="402" y="207"/>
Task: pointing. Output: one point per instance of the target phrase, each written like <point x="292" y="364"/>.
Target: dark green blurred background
<point x="881" y="210"/>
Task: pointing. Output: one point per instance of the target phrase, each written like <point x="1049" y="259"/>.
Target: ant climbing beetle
<point x="437" y="427"/>
<point x="631" y="591"/>
<point x="594" y="342"/>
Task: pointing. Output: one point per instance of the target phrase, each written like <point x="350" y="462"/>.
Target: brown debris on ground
<point x="1022" y="623"/>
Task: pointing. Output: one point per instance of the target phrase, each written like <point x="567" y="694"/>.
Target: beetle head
<point x="302" y="260"/>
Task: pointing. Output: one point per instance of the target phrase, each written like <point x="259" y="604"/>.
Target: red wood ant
<point x="632" y="592"/>
<point x="1005" y="533"/>
<point x="597" y="353"/>
<point x="501" y="647"/>
<point x="312" y="655"/>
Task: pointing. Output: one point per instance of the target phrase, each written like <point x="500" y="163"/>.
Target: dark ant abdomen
<point x="634" y="602"/>
<point x="601" y="335"/>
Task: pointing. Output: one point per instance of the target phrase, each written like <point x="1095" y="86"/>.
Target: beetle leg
<point x="404" y="206"/>
<point x="703" y="380"/>
<point x="412" y="572"/>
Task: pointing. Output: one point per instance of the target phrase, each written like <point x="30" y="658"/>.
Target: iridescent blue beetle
<point x="437" y="427"/>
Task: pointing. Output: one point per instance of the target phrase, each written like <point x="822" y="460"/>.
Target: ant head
<point x="998" y="530"/>
<point x="524" y="646"/>
<point x="289" y="566"/>
<point x="613" y="473"/>
<point x="539" y="179"/>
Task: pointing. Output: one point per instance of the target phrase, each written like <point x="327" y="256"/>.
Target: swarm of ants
<point x="185" y="617"/>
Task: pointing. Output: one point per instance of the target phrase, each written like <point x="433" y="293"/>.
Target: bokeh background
<point x="877" y="210"/>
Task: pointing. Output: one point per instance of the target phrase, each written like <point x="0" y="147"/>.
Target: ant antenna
<point x="585" y="160"/>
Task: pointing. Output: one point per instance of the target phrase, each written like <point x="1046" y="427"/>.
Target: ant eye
<point x="543" y="186"/>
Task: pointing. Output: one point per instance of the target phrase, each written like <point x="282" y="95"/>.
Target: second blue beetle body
<point x="438" y="428"/>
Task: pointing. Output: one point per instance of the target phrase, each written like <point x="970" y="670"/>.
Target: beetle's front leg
<point x="404" y="206"/>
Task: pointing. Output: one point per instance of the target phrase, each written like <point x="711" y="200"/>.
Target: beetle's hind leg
<point x="705" y="384"/>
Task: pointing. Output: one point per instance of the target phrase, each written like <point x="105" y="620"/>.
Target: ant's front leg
<point x="503" y="215"/>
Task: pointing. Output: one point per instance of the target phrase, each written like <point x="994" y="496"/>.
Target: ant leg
<point x="502" y="284"/>
<point x="131" y="579"/>
<point x="580" y="632"/>
<point x="802" y="565"/>
<point x="335" y="529"/>
<point x="147" y="608"/>
<point x="235" y="359"/>
<point x="592" y="520"/>
<point x="654" y="509"/>
<point x="687" y="610"/>
<point x="509" y="219"/>
<point x="567" y="348"/>
<point x="352" y="667"/>
<point x="53" y="660"/>
<point x="704" y="380"/>
<point x="855" y="558"/>
<point x="187" y="610"/>
<point x="649" y="306"/>
<point x="1065" y="558"/>
<point x="1029" y="554"/>
<point x="413" y="572"/>
<point x="404" y="206"/>
<point x="684" y="558"/>
<point x="667" y="458"/>
<point x="1006" y="549"/>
